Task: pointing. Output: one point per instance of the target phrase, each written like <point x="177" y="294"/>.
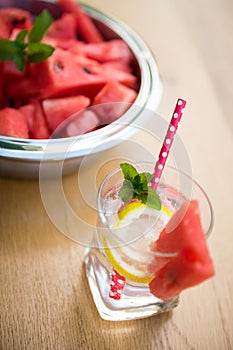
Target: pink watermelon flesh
<point x="192" y="264"/>
<point x="39" y="126"/>
<point x="64" y="27"/>
<point x="4" y="30"/>
<point x="13" y="123"/>
<point x="84" y="122"/>
<point x="85" y="26"/>
<point x="29" y="112"/>
<point x="107" y="51"/>
<point x="62" y="74"/>
<point x="59" y="109"/>
<point x="113" y="92"/>
<point x="14" y="18"/>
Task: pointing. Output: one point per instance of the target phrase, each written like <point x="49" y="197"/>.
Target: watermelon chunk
<point x="112" y="50"/>
<point x="85" y="26"/>
<point x="64" y="27"/>
<point x="1" y="86"/>
<point x="39" y="126"/>
<point x="61" y="74"/>
<point x="15" y="18"/>
<point x="59" y="109"/>
<point x="28" y="111"/>
<point x="119" y="65"/>
<point x="4" y="30"/>
<point x="84" y="122"/>
<point x="13" y="123"/>
<point x="113" y="92"/>
<point x="191" y="265"/>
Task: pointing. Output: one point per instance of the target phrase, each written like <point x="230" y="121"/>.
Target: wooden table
<point x="44" y="298"/>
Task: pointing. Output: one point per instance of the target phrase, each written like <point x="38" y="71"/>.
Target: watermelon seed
<point x="87" y="70"/>
<point x="16" y="21"/>
<point x="59" y="66"/>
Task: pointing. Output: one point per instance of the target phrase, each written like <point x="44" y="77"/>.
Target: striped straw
<point x="167" y="143"/>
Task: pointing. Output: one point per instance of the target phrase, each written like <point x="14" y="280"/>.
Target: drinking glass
<point x="126" y="248"/>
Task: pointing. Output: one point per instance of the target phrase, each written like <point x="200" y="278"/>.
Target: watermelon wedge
<point x="29" y="112"/>
<point x="4" y="30"/>
<point x="62" y="74"/>
<point x="59" y="109"/>
<point x="113" y="92"/>
<point x="13" y="123"/>
<point x="84" y="122"/>
<point x="39" y="126"/>
<point x="107" y="51"/>
<point x="64" y="27"/>
<point x="192" y="263"/>
<point x="85" y="26"/>
<point x="11" y="18"/>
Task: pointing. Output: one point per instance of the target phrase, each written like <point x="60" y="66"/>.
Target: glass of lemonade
<point x="124" y="244"/>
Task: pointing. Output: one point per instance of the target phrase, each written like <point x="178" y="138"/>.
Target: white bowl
<point x="22" y="157"/>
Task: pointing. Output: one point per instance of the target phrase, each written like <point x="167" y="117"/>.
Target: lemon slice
<point x="135" y="228"/>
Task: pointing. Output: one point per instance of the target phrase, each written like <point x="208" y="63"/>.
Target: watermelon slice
<point x="28" y="111"/>
<point x="14" y="18"/>
<point x="84" y="122"/>
<point x="191" y="265"/>
<point x="13" y="123"/>
<point x="39" y="126"/>
<point x="64" y="27"/>
<point x="85" y="26"/>
<point x="112" y="50"/>
<point x="58" y="109"/>
<point x="113" y="92"/>
<point x="4" y="30"/>
<point x="1" y="86"/>
<point x="119" y="65"/>
<point x="61" y="74"/>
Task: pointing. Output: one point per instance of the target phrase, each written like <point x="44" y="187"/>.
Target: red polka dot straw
<point x="167" y="143"/>
<point x="117" y="285"/>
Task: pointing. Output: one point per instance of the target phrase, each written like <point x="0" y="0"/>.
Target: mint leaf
<point x="7" y="50"/>
<point x="149" y="177"/>
<point x="153" y="199"/>
<point x="126" y="191"/>
<point x="136" y="185"/>
<point x="20" y="39"/>
<point x="20" y="61"/>
<point x="128" y="170"/>
<point x="38" y="52"/>
<point x="40" y="27"/>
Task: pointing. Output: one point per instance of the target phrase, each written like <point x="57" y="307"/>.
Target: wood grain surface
<point x="45" y="302"/>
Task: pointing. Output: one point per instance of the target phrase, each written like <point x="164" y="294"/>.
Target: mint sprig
<point x="27" y="45"/>
<point x="137" y="185"/>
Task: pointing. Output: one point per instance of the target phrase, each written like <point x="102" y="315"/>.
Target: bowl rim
<point x="149" y="97"/>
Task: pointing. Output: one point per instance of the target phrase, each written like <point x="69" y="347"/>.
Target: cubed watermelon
<point x="192" y="263"/>
<point x="1" y="86"/>
<point x="119" y="65"/>
<point x="15" y="18"/>
<point x="85" y="26"/>
<point x="60" y="43"/>
<point x="112" y="50"/>
<point x="59" y="109"/>
<point x="4" y="29"/>
<point x="29" y="111"/>
<point x="39" y="126"/>
<point x="83" y="122"/>
<point x="106" y="107"/>
<point x="61" y="74"/>
<point x="64" y="27"/>
<point x="13" y="123"/>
